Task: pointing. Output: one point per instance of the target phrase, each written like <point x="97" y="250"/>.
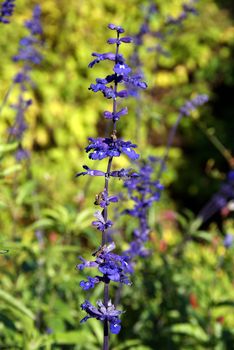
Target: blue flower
<point x="101" y="224"/>
<point x="107" y="147"/>
<point x="118" y="41"/>
<point x="101" y="57"/>
<point x="122" y="68"/>
<point x="90" y="172"/>
<point x="86" y="285"/>
<point x="115" y="116"/>
<point x="104" y="200"/>
<point x="103" y="313"/>
<point x="114" y="267"/>
<point x="119" y="29"/>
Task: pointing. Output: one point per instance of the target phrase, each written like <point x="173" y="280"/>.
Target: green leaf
<point x="131" y="344"/>
<point x="43" y="223"/>
<point x="8" y="147"/>
<point x="223" y="303"/>
<point x="16" y="304"/>
<point x="10" y="170"/>
<point x="194" y="331"/>
<point x="72" y="337"/>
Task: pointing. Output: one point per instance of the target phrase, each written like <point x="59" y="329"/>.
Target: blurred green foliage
<point x="182" y="297"/>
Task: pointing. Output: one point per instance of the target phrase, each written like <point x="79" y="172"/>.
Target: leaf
<point x="16" y="304"/>
<point x="195" y="224"/>
<point x="131" y="344"/>
<point x="194" y="331"/>
<point x="203" y="235"/>
<point x="8" y="147"/>
<point x="223" y="303"/>
<point x="43" y="223"/>
<point x="72" y="337"/>
<point x="25" y="191"/>
<point x="10" y="170"/>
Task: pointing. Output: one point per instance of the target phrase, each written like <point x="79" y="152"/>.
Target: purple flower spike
<point x="143" y="191"/>
<point x="191" y="105"/>
<point x="6" y="10"/>
<point x="111" y="267"/>
<point x="34" y="25"/>
<point x="28" y="53"/>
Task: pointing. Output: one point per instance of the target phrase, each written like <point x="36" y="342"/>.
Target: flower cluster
<point x="114" y="267"/>
<point x="111" y="266"/>
<point x="28" y="50"/>
<point x="102" y="313"/>
<point x="28" y="53"/>
<point x="6" y="10"/>
<point x="143" y="191"/>
<point x="109" y="147"/>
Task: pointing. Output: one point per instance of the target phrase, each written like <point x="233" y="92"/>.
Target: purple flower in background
<point x="28" y="50"/>
<point x="191" y="105"/>
<point x="187" y="8"/>
<point x="28" y="53"/>
<point x="221" y="199"/>
<point x="143" y="191"/>
<point x="228" y="240"/>
<point x="6" y="10"/>
<point x="34" y="24"/>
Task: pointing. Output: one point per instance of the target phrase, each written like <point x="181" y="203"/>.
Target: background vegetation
<point x="182" y="296"/>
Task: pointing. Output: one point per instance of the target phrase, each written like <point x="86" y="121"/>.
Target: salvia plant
<point x="111" y="266"/>
<point x="29" y="54"/>
<point x="143" y="190"/>
<point x="159" y="38"/>
<point x="185" y="111"/>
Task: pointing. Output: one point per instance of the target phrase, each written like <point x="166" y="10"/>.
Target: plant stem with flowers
<point x="113" y="267"/>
